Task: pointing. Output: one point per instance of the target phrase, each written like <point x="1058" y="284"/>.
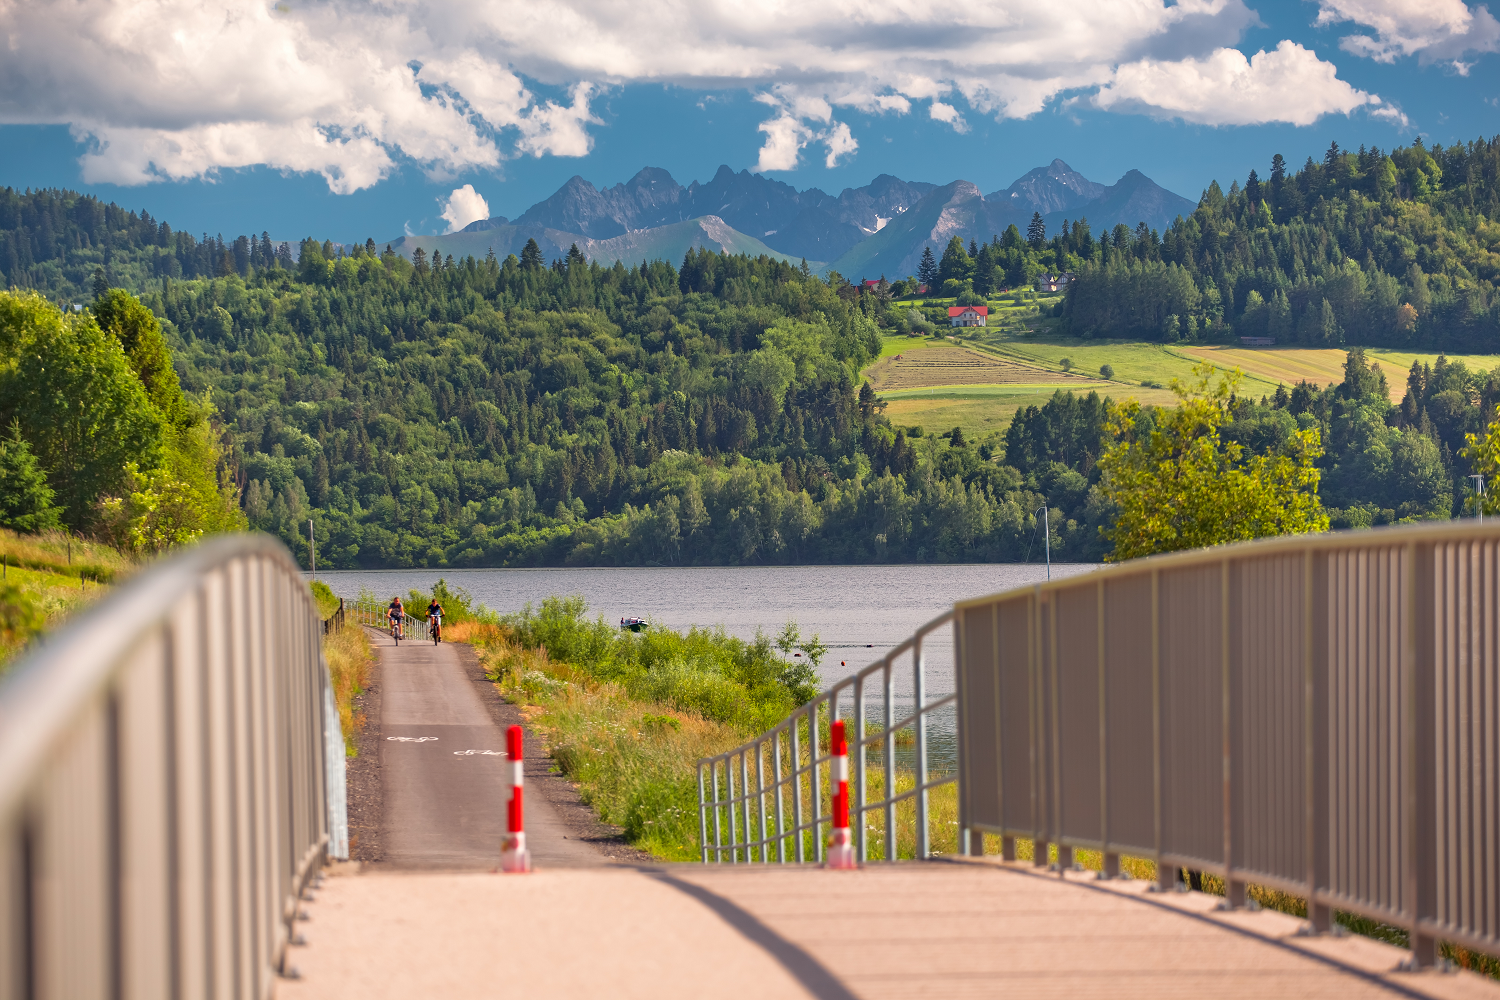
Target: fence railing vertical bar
<point x="166" y="771"/>
<point x="923" y="848"/>
<point x="861" y="771"/>
<point x="800" y="761"/>
<point x="1354" y="673"/>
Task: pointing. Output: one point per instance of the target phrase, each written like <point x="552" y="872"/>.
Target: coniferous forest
<point x="524" y="412"/>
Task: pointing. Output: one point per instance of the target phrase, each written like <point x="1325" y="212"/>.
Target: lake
<point x="860" y="612"/>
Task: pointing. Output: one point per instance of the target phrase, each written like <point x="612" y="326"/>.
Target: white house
<point x="968" y="315"/>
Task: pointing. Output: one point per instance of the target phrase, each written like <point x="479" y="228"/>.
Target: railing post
<point x="713" y="774"/>
<point x="817" y="781"/>
<point x="861" y="792"/>
<point x="702" y="817"/>
<point x="801" y="848"/>
<point x="734" y="832"/>
<point x="780" y="806"/>
<point x="919" y="697"/>
<point x="888" y="675"/>
<point x="745" y="815"/>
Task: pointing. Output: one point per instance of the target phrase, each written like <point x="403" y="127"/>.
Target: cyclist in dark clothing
<point x="397" y="615"/>
<point x="435" y="620"/>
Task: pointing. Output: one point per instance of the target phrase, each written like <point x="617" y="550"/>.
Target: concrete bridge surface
<point x="432" y="920"/>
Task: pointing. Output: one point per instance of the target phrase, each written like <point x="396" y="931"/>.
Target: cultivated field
<point x="935" y="365"/>
<point x="1290" y="365"/>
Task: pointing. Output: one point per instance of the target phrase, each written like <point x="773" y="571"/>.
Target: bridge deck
<point x="978" y="929"/>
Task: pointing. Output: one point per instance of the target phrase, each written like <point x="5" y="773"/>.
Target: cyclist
<point x="396" y="613"/>
<point x="435" y="620"/>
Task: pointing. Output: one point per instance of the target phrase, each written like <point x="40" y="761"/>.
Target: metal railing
<point x="374" y="614"/>
<point x="1317" y="714"/>
<point x="752" y="823"/>
<point x="171" y="776"/>
<point x="334" y="622"/>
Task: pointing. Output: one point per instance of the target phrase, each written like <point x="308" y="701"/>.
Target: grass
<point x="46" y="578"/>
<point x="634" y="760"/>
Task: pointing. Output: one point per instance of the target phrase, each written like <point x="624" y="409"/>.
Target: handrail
<point x="786" y="744"/>
<point x="1312" y="713"/>
<point x="171" y="777"/>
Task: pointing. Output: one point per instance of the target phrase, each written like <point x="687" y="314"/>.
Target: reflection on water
<point x="860" y="612"/>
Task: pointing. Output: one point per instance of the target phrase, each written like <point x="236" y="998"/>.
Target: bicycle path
<point x="442" y="760"/>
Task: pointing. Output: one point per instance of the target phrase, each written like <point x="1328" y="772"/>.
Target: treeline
<point x="1368" y="248"/>
<point x="55" y="242"/>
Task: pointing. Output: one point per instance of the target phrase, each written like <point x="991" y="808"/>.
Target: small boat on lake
<point x="634" y="624"/>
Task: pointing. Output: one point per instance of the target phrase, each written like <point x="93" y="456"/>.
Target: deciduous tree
<point x="1179" y="485"/>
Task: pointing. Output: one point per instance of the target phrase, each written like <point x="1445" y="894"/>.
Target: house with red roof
<point x="968" y="315"/>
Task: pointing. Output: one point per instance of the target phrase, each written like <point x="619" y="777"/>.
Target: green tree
<point x="79" y="404"/>
<point x="1036" y="231"/>
<point x="25" y="498"/>
<point x="1483" y="453"/>
<point x="956" y="264"/>
<point x="531" y="256"/>
<point x="927" y="268"/>
<point x="1178" y="484"/>
<point x="122" y="315"/>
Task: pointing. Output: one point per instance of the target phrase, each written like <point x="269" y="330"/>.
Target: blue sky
<point x="328" y="120"/>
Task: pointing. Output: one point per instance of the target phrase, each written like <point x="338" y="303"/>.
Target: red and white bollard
<point x="840" y="843"/>
<point x="514" y="857"/>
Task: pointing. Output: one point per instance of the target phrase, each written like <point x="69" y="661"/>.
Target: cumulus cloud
<point x="1288" y="84"/>
<point x="948" y="114"/>
<point x="1432" y="30"/>
<point x="787" y="134"/>
<point x="353" y="90"/>
<point x="463" y="206"/>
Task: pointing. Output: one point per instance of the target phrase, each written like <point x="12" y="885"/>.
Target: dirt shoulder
<point x="366" y="801"/>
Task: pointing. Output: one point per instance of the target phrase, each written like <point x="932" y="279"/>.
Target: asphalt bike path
<point x="443" y="761"/>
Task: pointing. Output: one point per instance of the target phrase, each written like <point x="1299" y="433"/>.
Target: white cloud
<point x="948" y="115"/>
<point x="1432" y="30"/>
<point x="351" y="89"/>
<point x="463" y="206"/>
<point x="785" y="137"/>
<point x="840" y="142"/>
<point x="1288" y="84"/>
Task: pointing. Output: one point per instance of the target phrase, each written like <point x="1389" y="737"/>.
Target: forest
<point x="523" y="412"/>
<point x="1398" y="249"/>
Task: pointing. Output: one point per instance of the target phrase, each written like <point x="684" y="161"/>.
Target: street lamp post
<point x="1046" y="536"/>
<point x="1479" y="503"/>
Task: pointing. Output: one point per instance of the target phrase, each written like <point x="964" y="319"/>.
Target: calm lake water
<point x="860" y="612"/>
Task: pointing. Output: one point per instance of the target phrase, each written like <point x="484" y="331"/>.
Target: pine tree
<point x="531" y="256"/>
<point x="101" y="286"/>
<point x="1036" y="232"/>
<point x="25" y="498"/>
<point x="927" y="270"/>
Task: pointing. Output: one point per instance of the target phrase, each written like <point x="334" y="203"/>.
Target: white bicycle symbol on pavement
<point x="411" y="739"/>
<point x="486" y="753"/>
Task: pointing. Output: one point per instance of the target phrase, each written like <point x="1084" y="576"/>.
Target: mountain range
<point x="877" y="229"/>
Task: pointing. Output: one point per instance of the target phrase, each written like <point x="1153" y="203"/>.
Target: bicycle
<point x="396" y="629"/>
<point x="435" y="626"/>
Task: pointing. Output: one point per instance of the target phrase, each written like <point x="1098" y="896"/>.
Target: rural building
<point x="968" y="315"/>
<point x="1055" y="282"/>
<point x="1258" y="341"/>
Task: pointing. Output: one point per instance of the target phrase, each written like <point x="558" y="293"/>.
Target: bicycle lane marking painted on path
<point x="443" y="771"/>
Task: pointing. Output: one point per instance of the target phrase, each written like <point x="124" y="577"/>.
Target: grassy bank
<point x="627" y="716"/>
<point x="47" y="577"/>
